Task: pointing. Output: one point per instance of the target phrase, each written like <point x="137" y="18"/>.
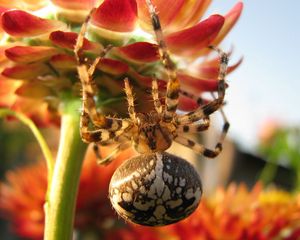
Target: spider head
<point x="152" y="134"/>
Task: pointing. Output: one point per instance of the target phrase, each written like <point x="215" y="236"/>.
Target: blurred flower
<point x="234" y="213"/>
<point x="268" y="130"/>
<point x="39" y="68"/>
<point x="237" y="213"/>
<point x="279" y="144"/>
<point x="22" y="197"/>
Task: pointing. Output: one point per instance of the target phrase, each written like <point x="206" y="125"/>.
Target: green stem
<point x="60" y="207"/>
<point x="37" y="134"/>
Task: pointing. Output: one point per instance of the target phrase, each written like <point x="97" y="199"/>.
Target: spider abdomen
<point x="155" y="189"/>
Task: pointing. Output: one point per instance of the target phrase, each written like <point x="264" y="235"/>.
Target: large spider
<point x="154" y="188"/>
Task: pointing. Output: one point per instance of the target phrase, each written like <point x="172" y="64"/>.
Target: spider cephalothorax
<point x="153" y="134"/>
<point x="154" y="188"/>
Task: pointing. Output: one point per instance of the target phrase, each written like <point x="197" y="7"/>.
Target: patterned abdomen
<point x="155" y="189"/>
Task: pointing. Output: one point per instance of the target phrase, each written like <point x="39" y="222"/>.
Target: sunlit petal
<point x="116" y="15"/>
<point x="139" y="52"/>
<point x="75" y="5"/>
<point x="187" y="42"/>
<point x="197" y="85"/>
<point x="167" y="10"/>
<point x="22" y="24"/>
<point x="24" y="4"/>
<point x="33" y="90"/>
<point x="211" y="70"/>
<point x="113" y="67"/>
<point x="68" y="40"/>
<point x="28" y="54"/>
<point x="63" y="62"/>
<point x="28" y="71"/>
<point x="231" y="19"/>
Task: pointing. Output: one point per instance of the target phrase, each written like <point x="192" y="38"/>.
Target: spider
<point x="155" y="188"/>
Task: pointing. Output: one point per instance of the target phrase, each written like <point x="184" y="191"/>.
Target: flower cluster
<point x="234" y="213"/>
<point x="39" y="68"/>
<point x="39" y="78"/>
<point x="22" y="197"/>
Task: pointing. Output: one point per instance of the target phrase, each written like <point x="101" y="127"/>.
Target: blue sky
<point x="267" y="84"/>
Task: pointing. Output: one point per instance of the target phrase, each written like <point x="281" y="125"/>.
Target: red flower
<point x="236" y="213"/>
<point x="22" y="197"/>
<point x="39" y="66"/>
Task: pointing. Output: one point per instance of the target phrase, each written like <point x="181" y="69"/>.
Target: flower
<point x="22" y="197"/>
<point x="236" y="213"/>
<point x="39" y="68"/>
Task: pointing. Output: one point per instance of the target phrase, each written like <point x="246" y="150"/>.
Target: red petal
<point x="7" y="89"/>
<point x="113" y="67"/>
<point x="63" y="62"/>
<point x="22" y="24"/>
<point x="198" y="10"/>
<point x="116" y="15"/>
<point x="230" y="20"/>
<point x="75" y="4"/>
<point x="186" y="103"/>
<point x="27" y="4"/>
<point x="33" y="90"/>
<point x="27" y="71"/>
<point x="26" y="54"/>
<point x="68" y="40"/>
<point x="167" y="10"/>
<point x="2" y="10"/>
<point x="140" y="52"/>
<point x="189" y="41"/>
<point x="212" y="71"/>
<point x="196" y="85"/>
<point x="37" y="110"/>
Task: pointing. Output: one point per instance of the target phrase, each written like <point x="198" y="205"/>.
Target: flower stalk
<point x="61" y="202"/>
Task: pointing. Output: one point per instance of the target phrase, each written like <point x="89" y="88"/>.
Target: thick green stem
<point x="60" y="205"/>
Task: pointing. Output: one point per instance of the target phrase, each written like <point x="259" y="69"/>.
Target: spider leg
<point x="79" y="44"/>
<point x="130" y="100"/>
<point x="155" y="96"/>
<point x="173" y="86"/>
<point x="108" y="159"/>
<point x="199" y="100"/>
<point x="99" y="135"/>
<point x="80" y="38"/>
<point x="215" y="104"/>
<point x="199" y="148"/>
<point x="85" y="74"/>
<point x="195" y="127"/>
<point x="89" y="110"/>
<point x="226" y="123"/>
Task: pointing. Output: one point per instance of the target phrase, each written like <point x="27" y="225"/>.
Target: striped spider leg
<point x="157" y="188"/>
<point x="204" y="111"/>
<point x="105" y="130"/>
<point x="190" y="120"/>
<point x="173" y="86"/>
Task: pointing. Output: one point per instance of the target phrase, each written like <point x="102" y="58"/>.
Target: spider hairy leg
<point x="109" y="128"/>
<point x="226" y="123"/>
<point x="199" y="148"/>
<point x="215" y="104"/>
<point x="80" y="38"/>
<point x="195" y="127"/>
<point x="114" y="153"/>
<point x="130" y="100"/>
<point x="155" y="96"/>
<point x="173" y="86"/>
<point x="85" y="75"/>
